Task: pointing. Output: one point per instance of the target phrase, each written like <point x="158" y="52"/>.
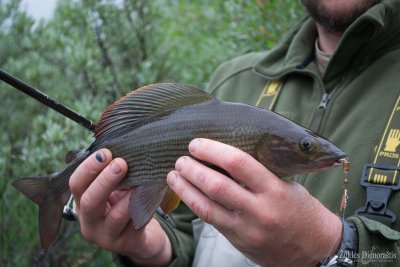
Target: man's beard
<point x="334" y="21"/>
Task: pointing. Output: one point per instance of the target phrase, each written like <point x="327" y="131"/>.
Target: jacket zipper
<point x="322" y="106"/>
<point x="319" y="114"/>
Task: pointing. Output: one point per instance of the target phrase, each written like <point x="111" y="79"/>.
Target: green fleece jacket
<point x="362" y="81"/>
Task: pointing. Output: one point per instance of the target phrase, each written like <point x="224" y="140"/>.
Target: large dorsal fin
<point x="145" y="102"/>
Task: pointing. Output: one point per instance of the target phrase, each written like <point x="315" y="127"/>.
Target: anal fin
<point x="144" y="201"/>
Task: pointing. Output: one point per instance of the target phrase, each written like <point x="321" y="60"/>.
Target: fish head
<point x="297" y="151"/>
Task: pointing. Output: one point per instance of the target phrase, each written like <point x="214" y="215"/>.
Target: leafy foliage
<point x="86" y="56"/>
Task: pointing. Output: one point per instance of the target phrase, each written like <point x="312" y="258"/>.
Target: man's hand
<point x="103" y="212"/>
<point x="273" y="222"/>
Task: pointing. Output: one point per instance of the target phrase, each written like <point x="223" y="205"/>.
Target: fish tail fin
<point x="50" y="194"/>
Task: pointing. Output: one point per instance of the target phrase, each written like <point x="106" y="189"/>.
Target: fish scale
<point x="153" y="148"/>
<point x="151" y="128"/>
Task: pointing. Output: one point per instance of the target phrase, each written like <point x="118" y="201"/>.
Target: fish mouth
<point x="339" y="162"/>
<point x="334" y="161"/>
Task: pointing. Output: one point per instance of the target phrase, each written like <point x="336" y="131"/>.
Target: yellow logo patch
<point x="388" y="150"/>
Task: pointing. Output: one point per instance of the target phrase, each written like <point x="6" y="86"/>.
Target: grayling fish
<point x="151" y="128"/>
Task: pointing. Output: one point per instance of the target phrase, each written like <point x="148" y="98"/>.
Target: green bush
<point x="87" y="56"/>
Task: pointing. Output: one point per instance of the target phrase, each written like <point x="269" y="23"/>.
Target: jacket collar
<point x="374" y="33"/>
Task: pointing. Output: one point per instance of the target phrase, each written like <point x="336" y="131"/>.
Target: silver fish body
<point x="152" y="127"/>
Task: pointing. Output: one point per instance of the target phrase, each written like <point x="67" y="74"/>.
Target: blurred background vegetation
<point x="87" y="55"/>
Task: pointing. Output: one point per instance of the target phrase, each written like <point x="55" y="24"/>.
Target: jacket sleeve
<point x="379" y="244"/>
<point x="181" y="238"/>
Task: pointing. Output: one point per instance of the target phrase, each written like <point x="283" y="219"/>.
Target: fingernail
<point x="194" y="144"/>
<point x="180" y="163"/>
<point x="100" y="156"/>
<point x="171" y="179"/>
<point x="115" y="168"/>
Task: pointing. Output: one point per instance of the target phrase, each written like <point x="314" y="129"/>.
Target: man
<point x="337" y="74"/>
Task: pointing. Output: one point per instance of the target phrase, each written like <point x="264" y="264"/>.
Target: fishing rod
<point x="69" y="210"/>
<point x="46" y="100"/>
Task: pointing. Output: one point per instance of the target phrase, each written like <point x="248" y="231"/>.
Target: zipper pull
<point x="319" y="113"/>
<point x="324" y="101"/>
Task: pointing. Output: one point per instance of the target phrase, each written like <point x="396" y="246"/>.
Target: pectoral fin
<point x="144" y="201"/>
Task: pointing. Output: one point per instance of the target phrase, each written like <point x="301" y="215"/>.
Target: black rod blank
<point x="46" y="100"/>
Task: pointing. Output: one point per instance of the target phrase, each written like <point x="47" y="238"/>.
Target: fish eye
<point x="306" y="144"/>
